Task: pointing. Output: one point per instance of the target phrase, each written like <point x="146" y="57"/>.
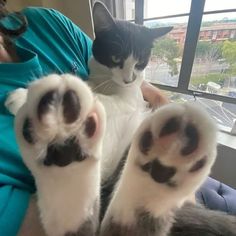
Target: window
<point x="129" y="9"/>
<point x="214" y="67"/>
<point x="201" y="64"/>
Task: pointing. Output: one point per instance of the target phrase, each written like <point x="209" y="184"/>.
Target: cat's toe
<point x="15" y="100"/>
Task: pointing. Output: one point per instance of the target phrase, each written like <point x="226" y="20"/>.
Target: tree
<point x="209" y="51"/>
<point x="229" y="52"/>
<point x="167" y="50"/>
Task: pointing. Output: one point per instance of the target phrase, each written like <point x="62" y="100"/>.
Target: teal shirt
<point x="51" y="44"/>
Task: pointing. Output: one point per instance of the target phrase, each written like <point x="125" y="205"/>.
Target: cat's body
<point x="67" y="132"/>
<point x="125" y="110"/>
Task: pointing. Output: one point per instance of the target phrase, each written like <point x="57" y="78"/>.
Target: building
<point x="219" y="31"/>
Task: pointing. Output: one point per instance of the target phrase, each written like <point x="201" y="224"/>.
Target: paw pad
<point x="71" y="106"/>
<point x="146" y="142"/>
<point x="64" y="154"/>
<point x="171" y="126"/>
<point x="192" y="136"/>
<point x="158" y="171"/>
<point x="28" y="131"/>
<point x="49" y="99"/>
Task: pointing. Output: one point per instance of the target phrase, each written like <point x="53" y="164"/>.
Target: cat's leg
<point x="59" y="131"/>
<point x="170" y="156"/>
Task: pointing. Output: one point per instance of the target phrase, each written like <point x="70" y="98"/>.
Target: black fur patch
<point x="146" y="142"/>
<point x="121" y="41"/>
<point x="171" y="126"/>
<point x="49" y="99"/>
<point x="194" y="220"/>
<point x="192" y="140"/>
<point x="109" y="185"/>
<point x="27" y="131"/>
<point x="64" y="154"/>
<point x="90" y="226"/>
<point x="159" y="172"/>
<point x="145" y="225"/>
<point x="71" y="106"/>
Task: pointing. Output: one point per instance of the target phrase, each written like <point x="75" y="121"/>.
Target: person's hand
<point x="7" y="50"/>
<point x="153" y="95"/>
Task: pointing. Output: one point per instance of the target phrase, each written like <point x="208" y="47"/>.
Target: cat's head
<point x="122" y="46"/>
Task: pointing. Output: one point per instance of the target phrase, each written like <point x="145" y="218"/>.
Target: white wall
<point x="77" y="10"/>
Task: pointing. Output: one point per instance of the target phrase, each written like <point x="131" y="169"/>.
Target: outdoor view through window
<point x="214" y="67"/>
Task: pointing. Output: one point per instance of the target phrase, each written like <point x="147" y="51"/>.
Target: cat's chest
<point x="124" y="115"/>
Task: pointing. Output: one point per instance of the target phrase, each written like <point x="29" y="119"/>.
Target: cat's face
<point x="123" y="47"/>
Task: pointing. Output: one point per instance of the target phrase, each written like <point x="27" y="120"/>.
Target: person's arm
<point x="31" y="224"/>
<point x="153" y="95"/>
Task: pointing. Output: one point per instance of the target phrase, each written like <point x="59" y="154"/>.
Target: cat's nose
<point x="128" y="81"/>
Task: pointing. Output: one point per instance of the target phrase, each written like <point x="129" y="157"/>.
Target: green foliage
<point x="229" y="52"/>
<point x="204" y="79"/>
<point x="167" y="50"/>
<point x="208" y="50"/>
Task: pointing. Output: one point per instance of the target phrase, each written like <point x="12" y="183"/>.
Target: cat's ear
<point x="159" y="32"/>
<point x="102" y="18"/>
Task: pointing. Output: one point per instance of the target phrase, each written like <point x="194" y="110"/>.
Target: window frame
<point x="192" y="35"/>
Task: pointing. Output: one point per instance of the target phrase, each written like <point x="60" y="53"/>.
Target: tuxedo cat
<point x="121" y="51"/>
<point x="77" y="140"/>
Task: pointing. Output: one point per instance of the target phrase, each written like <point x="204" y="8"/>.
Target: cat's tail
<point x="194" y="220"/>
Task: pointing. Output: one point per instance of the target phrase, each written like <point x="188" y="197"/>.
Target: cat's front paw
<point x="176" y="148"/>
<point x="60" y="113"/>
<point x="59" y="131"/>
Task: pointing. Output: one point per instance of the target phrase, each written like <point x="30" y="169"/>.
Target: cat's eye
<point x="116" y="59"/>
<point x="140" y="63"/>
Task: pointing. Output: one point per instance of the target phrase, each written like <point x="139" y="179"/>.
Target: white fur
<point x="15" y="100"/>
<point x="136" y="190"/>
<point x="125" y="110"/>
<point x="125" y="75"/>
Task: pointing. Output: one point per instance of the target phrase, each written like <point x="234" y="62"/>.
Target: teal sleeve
<point x="14" y="203"/>
<point x="82" y="40"/>
<point x="61" y="45"/>
<point x="16" y="182"/>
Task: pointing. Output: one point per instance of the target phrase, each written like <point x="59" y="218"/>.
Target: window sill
<point x="226" y="139"/>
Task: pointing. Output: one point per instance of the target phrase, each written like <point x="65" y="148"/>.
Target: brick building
<point x="215" y="32"/>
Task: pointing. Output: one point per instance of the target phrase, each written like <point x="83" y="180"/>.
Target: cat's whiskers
<point x="106" y="87"/>
<point x="100" y="85"/>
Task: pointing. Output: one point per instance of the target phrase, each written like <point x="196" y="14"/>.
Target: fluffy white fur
<point x="125" y="109"/>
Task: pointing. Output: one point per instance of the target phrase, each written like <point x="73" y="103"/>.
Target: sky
<point x="173" y="7"/>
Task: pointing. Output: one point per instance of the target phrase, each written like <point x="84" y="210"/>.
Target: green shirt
<point x="51" y="44"/>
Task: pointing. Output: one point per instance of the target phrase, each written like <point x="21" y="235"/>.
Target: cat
<point x="121" y="52"/>
<point x="74" y="139"/>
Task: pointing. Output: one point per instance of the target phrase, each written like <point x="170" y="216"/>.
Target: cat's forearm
<point x="153" y="95"/>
